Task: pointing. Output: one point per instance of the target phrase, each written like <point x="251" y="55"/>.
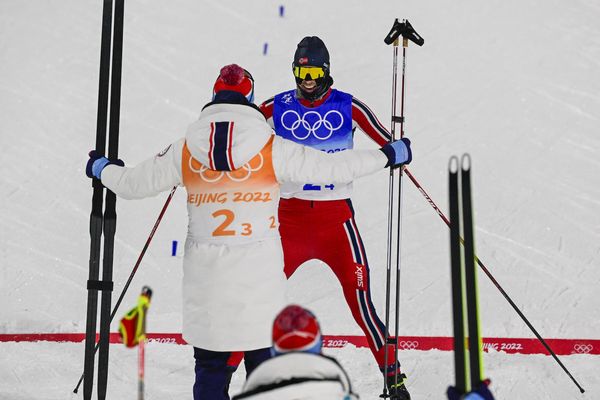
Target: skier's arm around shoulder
<point x="297" y="163"/>
<point x="152" y="176"/>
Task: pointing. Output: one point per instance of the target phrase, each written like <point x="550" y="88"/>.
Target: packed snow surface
<point x="514" y="84"/>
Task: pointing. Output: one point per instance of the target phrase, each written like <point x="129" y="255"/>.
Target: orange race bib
<point x="236" y="205"/>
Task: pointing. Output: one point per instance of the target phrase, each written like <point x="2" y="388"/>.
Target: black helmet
<point x="311" y="52"/>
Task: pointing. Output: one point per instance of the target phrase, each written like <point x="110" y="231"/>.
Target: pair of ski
<point x="469" y="370"/>
<point x="103" y="217"/>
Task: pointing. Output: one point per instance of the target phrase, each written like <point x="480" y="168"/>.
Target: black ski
<point x="475" y="343"/>
<point x="96" y="217"/>
<point x="469" y="373"/>
<point x="110" y="215"/>
<point x="456" y="274"/>
<point x="103" y="221"/>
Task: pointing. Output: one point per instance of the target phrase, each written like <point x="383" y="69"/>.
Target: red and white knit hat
<point x="296" y="329"/>
<point x="236" y="79"/>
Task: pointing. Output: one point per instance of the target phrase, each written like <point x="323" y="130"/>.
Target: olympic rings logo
<point x="408" y="345"/>
<point x="239" y="175"/>
<point x="312" y="123"/>
<point x="583" y="348"/>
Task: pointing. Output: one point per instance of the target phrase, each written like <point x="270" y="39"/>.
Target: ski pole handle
<point x="407" y="31"/>
<point x="394" y="32"/>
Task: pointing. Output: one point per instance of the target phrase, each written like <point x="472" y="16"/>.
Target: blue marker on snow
<point x="174" y="248"/>
<point x="265" y="48"/>
<point x="281" y="11"/>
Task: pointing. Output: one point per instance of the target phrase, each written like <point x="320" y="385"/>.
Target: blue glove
<point x="96" y="164"/>
<point x="398" y="152"/>
<point x="481" y="393"/>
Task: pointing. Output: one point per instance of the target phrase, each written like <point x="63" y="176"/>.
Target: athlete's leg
<point x="345" y="254"/>
<point x="254" y="358"/>
<point x="213" y="373"/>
<point x="330" y="234"/>
<point x="296" y="233"/>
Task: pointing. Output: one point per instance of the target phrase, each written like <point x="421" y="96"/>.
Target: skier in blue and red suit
<point x="317" y="221"/>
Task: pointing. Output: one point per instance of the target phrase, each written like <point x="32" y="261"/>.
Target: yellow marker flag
<point x="132" y="327"/>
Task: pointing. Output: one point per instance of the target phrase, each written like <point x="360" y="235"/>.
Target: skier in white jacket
<point x="232" y="165"/>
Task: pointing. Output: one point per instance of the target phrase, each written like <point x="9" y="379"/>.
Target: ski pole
<point x="407" y="32"/>
<point x="390" y="226"/>
<point x="146" y="245"/>
<point x="399" y="219"/>
<point x="132" y="330"/>
<point x="494" y="281"/>
<point x="135" y="268"/>
<point x="141" y="367"/>
<point x="146" y="291"/>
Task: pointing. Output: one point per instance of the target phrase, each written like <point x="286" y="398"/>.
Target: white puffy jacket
<point x="233" y="283"/>
<point x="298" y="376"/>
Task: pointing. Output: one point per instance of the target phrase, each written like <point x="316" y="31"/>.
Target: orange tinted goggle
<point x="313" y="73"/>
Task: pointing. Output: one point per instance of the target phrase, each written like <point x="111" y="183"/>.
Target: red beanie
<point x="296" y="329"/>
<point x="237" y="79"/>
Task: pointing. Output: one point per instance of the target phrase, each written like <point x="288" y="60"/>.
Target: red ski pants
<point x="326" y="231"/>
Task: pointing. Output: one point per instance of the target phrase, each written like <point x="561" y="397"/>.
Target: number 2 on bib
<point x="222" y="229"/>
<point x="229" y="215"/>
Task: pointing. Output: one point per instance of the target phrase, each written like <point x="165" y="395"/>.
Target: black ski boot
<point x="398" y="390"/>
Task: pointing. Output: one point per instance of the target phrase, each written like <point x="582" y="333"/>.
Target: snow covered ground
<point x="515" y="84"/>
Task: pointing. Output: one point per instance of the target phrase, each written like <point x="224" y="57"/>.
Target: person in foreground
<point x="299" y="370"/>
<point x="232" y="165"/>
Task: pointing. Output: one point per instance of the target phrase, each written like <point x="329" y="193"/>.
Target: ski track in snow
<point x="560" y="100"/>
<point x="524" y="259"/>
